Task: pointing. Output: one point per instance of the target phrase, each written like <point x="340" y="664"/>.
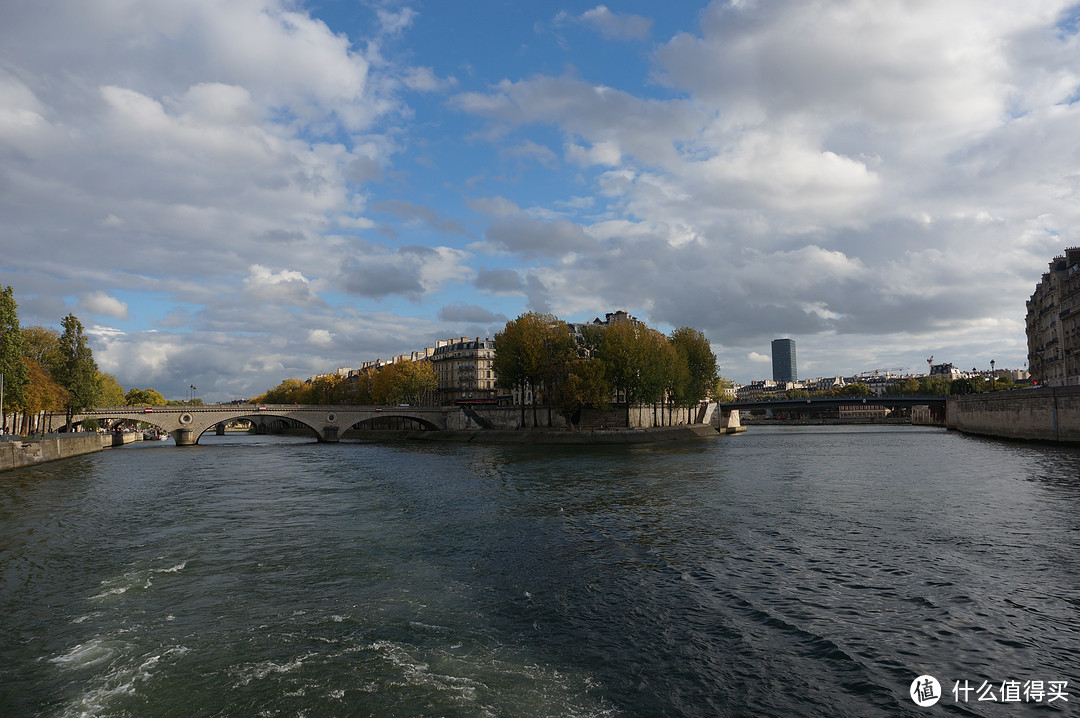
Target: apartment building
<point x="1053" y="323"/>
<point x="464" y="369"/>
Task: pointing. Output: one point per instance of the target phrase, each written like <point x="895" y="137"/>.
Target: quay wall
<point x="1041" y="414"/>
<point x="640" y="417"/>
<point x="16" y="451"/>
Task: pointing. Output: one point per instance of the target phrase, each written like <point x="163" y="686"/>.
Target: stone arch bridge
<point x="185" y="424"/>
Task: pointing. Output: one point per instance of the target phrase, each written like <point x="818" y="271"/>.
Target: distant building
<point x="948" y="372"/>
<point x="784" y="367"/>
<point x="464" y="369"/>
<point x="1053" y="323"/>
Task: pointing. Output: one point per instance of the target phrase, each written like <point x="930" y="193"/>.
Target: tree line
<point x="911" y="386"/>
<point x="625" y="362"/>
<point x="403" y="382"/>
<point x="46" y="370"/>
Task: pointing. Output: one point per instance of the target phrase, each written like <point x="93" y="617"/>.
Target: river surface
<point x="804" y="571"/>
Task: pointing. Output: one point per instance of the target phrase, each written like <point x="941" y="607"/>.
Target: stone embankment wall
<point x="1041" y="414"/>
<point x="17" y="451"/>
<point x="641" y="417"/>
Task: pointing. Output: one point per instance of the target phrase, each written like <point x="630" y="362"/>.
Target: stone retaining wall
<point x="16" y="452"/>
<point x="1040" y="414"/>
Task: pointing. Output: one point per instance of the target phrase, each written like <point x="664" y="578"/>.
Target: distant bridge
<point x="185" y="424"/>
<point x="891" y="402"/>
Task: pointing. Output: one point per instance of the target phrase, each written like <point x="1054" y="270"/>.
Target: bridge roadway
<point x="829" y="403"/>
<point x="185" y="424"/>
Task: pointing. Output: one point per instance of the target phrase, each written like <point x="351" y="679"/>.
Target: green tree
<point x="74" y="368"/>
<point x="857" y="390"/>
<point x="637" y="362"/>
<point x="40" y="343"/>
<point x="696" y="354"/>
<point x="532" y="352"/>
<point x="13" y="368"/>
<point x="584" y="386"/>
<point x="144" y="397"/>
<point x="110" y="393"/>
<point x="933" y="386"/>
<point x="904" y="387"/>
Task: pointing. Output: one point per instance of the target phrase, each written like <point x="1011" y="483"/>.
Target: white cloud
<point x="101" y="303"/>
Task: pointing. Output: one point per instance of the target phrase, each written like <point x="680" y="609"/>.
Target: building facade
<point x="1053" y="323"/>
<point x="784" y="366"/>
<point x="464" y="369"/>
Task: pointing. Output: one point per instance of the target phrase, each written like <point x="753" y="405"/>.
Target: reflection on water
<point x="806" y="571"/>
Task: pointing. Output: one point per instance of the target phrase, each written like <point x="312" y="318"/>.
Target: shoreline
<point x="654" y="435"/>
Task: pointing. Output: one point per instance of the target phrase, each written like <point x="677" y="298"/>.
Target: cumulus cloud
<point x="499" y="281"/>
<point x="410" y="271"/>
<point x="536" y="237"/>
<point x="285" y="287"/>
<point x="614" y="26"/>
<point x="101" y="303"/>
<point x="471" y="313"/>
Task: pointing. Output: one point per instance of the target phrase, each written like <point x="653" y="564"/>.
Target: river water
<point x="808" y="571"/>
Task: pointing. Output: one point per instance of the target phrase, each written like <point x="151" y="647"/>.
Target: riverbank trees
<point x="13" y="368"/>
<point x="624" y="362"/>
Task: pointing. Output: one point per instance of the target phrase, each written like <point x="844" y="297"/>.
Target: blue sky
<point x="241" y="191"/>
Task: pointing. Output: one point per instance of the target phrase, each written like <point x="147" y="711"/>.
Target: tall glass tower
<point x="783" y="360"/>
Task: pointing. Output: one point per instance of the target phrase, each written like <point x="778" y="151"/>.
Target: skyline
<point x="244" y="191"/>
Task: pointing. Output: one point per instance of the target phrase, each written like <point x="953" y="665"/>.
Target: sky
<point x="229" y="193"/>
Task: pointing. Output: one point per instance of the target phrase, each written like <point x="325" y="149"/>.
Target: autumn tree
<point x="13" y="368"/>
<point x="110" y="393"/>
<point x="43" y="394"/>
<point x="289" y="391"/>
<point x="144" y="397"/>
<point x="415" y="381"/>
<point x="532" y="352"/>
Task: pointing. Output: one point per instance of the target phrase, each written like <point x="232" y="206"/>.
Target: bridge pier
<point x="329" y="434"/>
<point x="730" y="423"/>
<point x="184" y="437"/>
<point x="220" y="429"/>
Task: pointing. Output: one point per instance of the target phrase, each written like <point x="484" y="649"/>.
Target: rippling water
<point x="787" y="571"/>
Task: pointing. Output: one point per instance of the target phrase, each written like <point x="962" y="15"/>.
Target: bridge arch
<point x="187" y="423"/>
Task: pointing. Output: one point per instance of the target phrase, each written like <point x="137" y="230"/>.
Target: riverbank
<point x="19" y="451"/>
<point x="1043" y="414"/>
<point x="653" y="435"/>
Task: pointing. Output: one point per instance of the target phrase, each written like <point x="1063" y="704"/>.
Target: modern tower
<point x="783" y="360"/>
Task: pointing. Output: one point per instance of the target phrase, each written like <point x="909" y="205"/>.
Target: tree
<point x="856" y="390"/>
<point x="584" y="386"/>
<point x="415" y="381"/>
<point x="13" y="368"/>
<point x="42" y="392"/>
<point x="696" y="354"/>
<point x="110" y="393"/>
<point x="405" y="382"/>
<point x="289" y="391"/>
<point x="144" y="397"/>
<point x="532" y="351"/>
<point x="74" y="367"/>
<point x="636" y="361"/>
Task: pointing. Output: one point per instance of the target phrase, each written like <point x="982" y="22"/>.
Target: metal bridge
<point x="185" y="424"/>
